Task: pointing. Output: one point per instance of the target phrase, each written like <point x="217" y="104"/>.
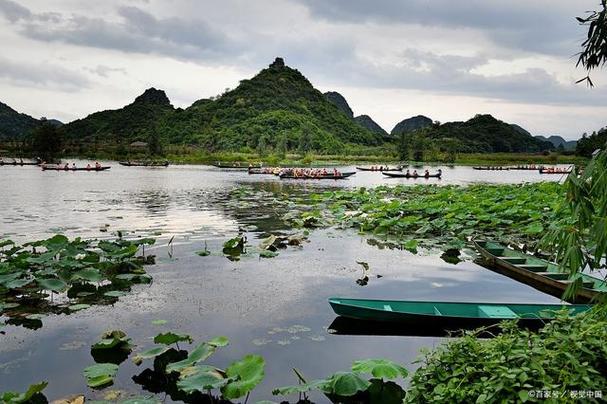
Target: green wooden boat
<point x="452" y="315"/>
<point x="538" y="273"/>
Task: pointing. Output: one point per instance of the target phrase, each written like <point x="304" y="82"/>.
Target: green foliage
<point x="170" y="338"/>
<point x="588" y="144"/>
<point x="234" y="246"/>
<point x="13" y="124"/>
<point x="594" y="53"/>
<point x="579" y="236"/>
<point x="482" y="134"/>
<point x="277" y="109"/>
<point x="12" y="397"/>
<point x="59" y="265"/>
<point x="115" y="339"/>
<point x="100" y="374"/>
<point x="353" y="386"/>
<point x="439" y="216"/>
<point x="47" y="142"/>
<point x="243" y="376"/>
<point x="566" y="355"/>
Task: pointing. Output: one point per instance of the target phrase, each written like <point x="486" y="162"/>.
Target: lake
<point x="273" y="307"/>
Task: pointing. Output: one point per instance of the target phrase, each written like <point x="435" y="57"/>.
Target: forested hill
<point x="278" y="108"/>
<point x="13" y="124"/>
<point x="484" y="133"/>
<point x="364" y="121"/>
<point x="135" y="121"/>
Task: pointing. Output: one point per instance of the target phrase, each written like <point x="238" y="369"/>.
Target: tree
<point x="594" y="53"/>
<point x="262" y="147"/>
<point x="580" y="240"/>
<point x="47" y="141"/>
<point x="403" y="147"/>
<point x="281" y="146"/>
<point x="154" y="144"/>
<point x="305" y="141"/>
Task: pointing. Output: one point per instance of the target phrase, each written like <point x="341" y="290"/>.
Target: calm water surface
<point x="273" y="307"/>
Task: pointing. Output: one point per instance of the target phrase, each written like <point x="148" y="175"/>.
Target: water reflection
<point x="256" y="302"/>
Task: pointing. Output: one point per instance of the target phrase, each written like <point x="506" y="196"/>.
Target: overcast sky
<point x="391" y="59"/>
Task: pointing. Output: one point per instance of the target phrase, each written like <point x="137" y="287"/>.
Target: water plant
<point x="33" y="391"/>
<point x="444" y="217"/>
<point x="84" y="271"/>
<point x="355" y="385"/>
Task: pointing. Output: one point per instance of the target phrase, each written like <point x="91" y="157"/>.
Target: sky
<point x="391" y="59"/>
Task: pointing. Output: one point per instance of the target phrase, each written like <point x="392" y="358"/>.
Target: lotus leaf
<point x="170" y="338"/>
<point x="101" y="374"/>
<point x="12" y="397"/>
<point x="245" y="375"/>
<point x="380" y="368"/>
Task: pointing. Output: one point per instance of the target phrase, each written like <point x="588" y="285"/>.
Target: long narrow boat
<point x="236" y="165"/>
<point x="59" y="168"/>
<point x="340" y="176"/>
<point x="492" y="168"/>
<point x="528" y="168"/>
<point x="400" y="175"/>
<point x="552" y="171"/>
<point x="20" y="163"/>
<point x="449" y="314"/>
<point x="380" y="168"/>
<point x="538" y="273"/>
<point x="144" y="163"/>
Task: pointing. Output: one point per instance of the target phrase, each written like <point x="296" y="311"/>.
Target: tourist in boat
<point x="66" y="166"/>
<point x="415" y="174"/>
<point x="408" y="174"/>
<point x="426" y="173"/>
<point x="97" y="165"/>
<point x="88" y="166"/>
<point x="73" y="166"/>
<point x="440" y="172"/>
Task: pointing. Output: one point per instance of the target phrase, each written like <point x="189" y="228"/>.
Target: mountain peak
<point x="340" y="102"/>
<point x="153" y="96"/>
<point x="278" y="63"/>
<point x="411" y="124"/>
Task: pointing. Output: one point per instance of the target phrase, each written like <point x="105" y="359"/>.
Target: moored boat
<point x="237" y="165"/>
<point x="492" y="168"/>
<point x="63" y="168"/>
<point x="538" y="273"/>
<point x="20" y="163"/>
<point x="544" y="170"/>
<point x="380" y="168"/>
<point x="135" y="163"/>
<point x="406" y="175"/>
<point x="331" y="176"/>
<point x="452" y="315"/>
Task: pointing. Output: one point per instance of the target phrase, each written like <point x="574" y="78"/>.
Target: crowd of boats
<point x="533" y="167"/>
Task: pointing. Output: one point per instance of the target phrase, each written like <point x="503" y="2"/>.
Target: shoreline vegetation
<point x="176" y="156"/>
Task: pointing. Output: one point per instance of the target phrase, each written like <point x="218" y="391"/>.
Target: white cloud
<point x="444" y="59"/>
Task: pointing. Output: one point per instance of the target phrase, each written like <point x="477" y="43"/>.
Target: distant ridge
<point x="411" y="124"/>
<point x="366" y="122"/>
<point x="14" y="124"/>
<point x="557" y="141"/>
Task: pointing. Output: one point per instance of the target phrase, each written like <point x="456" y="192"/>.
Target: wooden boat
<point x="265" y="170"/>
<point x="453" y="315"/>
<point x="529" y="168"/>
<point x="538" y="273"/>
<point x="401" y="175"/>
<point x="20" y="163"/>
<point x="552" y="171"/>
<point x="492" y="168"/>
<point x="238" y="165"/>
<point x="144" y="163"/>
<point x="380" y="168"/>
<point x="341" y="176"/>
<point x="61" y="168"/>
